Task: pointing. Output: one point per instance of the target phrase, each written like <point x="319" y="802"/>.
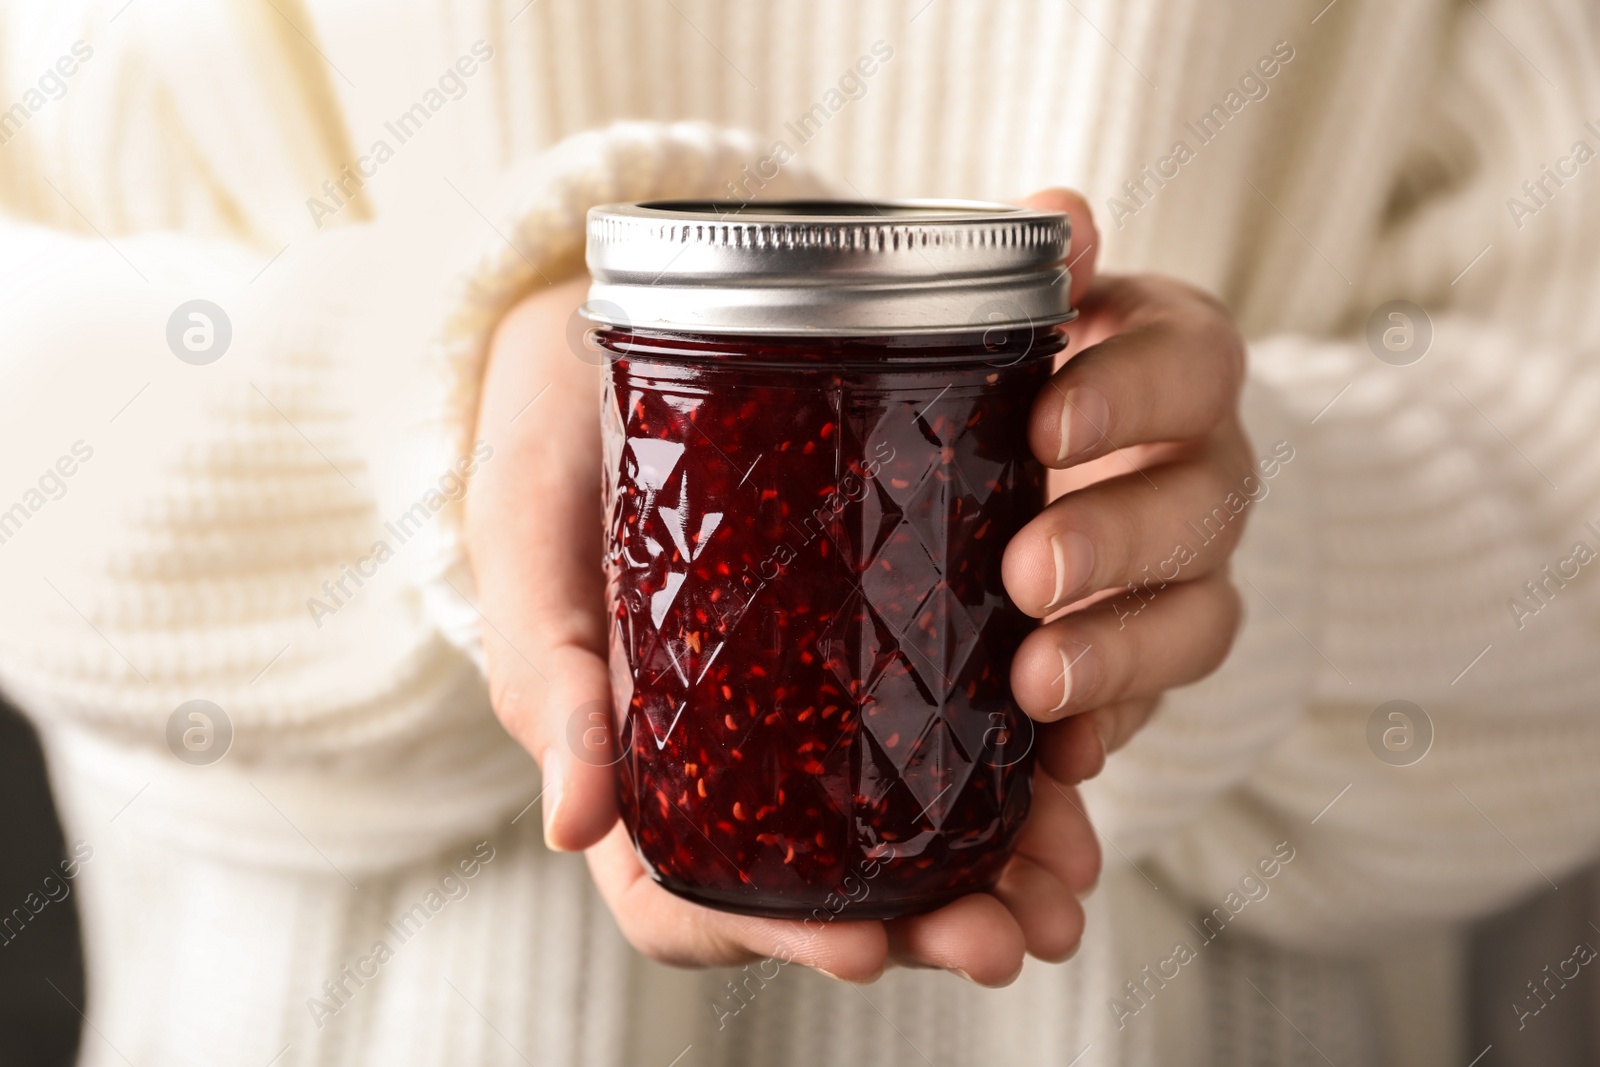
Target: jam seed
<point x="738" y="811"/>
<point x="728" y="720"/>
<point x="727" y="693"/>
<point x="701" y="786"/>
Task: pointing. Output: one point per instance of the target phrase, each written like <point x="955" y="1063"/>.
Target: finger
<point x="1059" y="837"/>
<point x="1074" y="749"/>
<point x="675" y="931"/>
<point x="1165" y="363"/>
<point x="533" y="522"/>
<point x="1085" y="247"/>
<point x="1176" y="522"/>
<point x="975" y="937"/>
<point x="1116" y="724"/>
<point x="1048" y="912"/>
<point x="1133" y="645"/>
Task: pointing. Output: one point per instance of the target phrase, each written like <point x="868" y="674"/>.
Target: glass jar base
<point x="763" y="906"/>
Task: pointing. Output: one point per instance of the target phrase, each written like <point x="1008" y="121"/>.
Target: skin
<point x="1149" y="388"/>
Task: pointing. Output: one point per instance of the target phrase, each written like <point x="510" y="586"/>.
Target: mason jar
<point x="815" y="438"/>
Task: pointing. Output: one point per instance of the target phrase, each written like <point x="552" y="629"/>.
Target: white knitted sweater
<point x="210" y="149"/>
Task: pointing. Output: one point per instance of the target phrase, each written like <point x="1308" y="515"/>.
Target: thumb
<point x="559" y="709"/>
<point x="533" y="534"/>
<point x="1085" y="236"/>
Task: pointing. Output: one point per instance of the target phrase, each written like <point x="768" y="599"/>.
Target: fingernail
<point x="963" y="974"/>
<point x="554" y="783"/>
<point x="1084" y="418"/>
<point x="1072" y="555"/>
<point x="1080" y="671"/>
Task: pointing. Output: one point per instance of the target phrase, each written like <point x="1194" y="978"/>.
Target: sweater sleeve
<point x="420" y="441"/>
<point x="1432" y="541"/>
<point x="178" y="527"/>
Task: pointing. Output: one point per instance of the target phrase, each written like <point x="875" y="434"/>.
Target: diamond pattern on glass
<point x="809" y="629"/>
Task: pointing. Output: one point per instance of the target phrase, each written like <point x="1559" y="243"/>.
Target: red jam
<point x="811" y="644"/>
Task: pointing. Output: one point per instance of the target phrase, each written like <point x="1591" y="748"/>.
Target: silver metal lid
<point x="827" y="267"/>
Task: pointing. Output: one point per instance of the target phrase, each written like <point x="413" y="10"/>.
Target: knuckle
<point x="1232" y="608"/>
<point x="511" y="705"/>
<point x="1123" y="655"/>
<point x="1227" y="611"/>
<point x="1115" y="532"/>
<point x="1083" y="872"/>
<point x="1210" y="327"/>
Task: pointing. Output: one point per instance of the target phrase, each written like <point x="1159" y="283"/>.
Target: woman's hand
<point x="534" y="537"/>
<point x="1131" y="559"/>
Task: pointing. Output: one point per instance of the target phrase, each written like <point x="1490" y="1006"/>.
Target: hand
<point x="1143" y="422"/>
<point x="534" y="539"/>
<point x="533" y="530"/>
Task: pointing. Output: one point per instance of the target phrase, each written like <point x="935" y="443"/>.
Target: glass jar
<point x="815" y="421"/>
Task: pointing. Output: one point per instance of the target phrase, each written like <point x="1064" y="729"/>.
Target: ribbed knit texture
<point x="178" y="163"/>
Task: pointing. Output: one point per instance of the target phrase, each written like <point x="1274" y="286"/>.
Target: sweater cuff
<point x="422" y="450"/>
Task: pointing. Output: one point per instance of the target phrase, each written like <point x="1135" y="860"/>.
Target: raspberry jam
<point x="810" y="637"/>
<point x="815" y="436"/>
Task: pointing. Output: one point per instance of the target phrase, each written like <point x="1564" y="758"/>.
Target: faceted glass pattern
<point x="810" y="644"/>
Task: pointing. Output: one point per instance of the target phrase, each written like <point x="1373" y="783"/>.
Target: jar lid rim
<point x="835" y="267"/>
<point x="923" y="211"/>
